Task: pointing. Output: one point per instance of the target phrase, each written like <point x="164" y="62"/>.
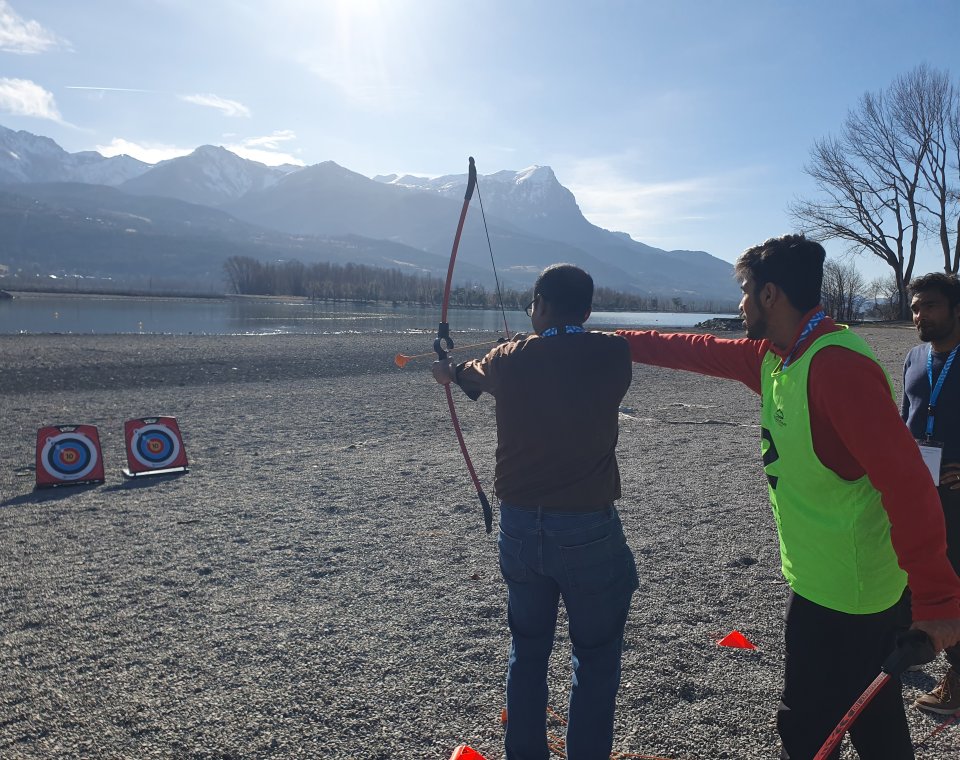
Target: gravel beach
<point x="320" y="585"/>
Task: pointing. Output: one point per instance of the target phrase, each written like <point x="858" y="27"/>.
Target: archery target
<point x="68" y="454"/>
<point x="154" y="443"/>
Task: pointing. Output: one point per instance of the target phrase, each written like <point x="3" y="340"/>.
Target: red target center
<point x="69" y="456"/>
<point x="155" y="446"/>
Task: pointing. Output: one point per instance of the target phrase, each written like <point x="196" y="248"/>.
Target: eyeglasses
<point x="530" y="306"/>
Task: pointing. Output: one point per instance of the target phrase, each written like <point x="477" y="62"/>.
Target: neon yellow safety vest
<point x="835" y="547"/>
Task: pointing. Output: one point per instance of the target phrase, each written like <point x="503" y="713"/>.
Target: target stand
<point x="154" y="447"/>
<point x="68" y="455"/>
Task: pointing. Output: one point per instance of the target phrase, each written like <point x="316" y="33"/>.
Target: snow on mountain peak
<point x="533" y="180"/>
<point x="540" y="174"/>
<point x="25" y="157"/>
<point x="219" y="153"/>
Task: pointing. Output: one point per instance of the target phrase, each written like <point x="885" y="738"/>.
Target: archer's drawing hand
<point x="950" y="475"/>
<point x="943" y="633"/>
<point x="444" y="372"/>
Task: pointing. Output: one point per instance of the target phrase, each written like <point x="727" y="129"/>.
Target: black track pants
<point x="831" y="657"/>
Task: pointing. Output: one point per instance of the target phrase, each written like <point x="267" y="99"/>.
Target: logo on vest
<point x="778" y="416"/>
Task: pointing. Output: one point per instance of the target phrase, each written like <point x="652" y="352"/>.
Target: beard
<point x="934" y="331"/>
<point x="757" y="327"/>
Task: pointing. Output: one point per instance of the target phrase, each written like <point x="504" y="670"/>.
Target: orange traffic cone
<point x="463" y="752"/>
<point x="736" y="640"/>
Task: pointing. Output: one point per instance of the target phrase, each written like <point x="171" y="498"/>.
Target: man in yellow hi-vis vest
<point x="856" y="510"/>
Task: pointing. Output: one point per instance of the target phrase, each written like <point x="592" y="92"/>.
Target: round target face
<point x="154" y="446"/>
<point x="69" y="456"/>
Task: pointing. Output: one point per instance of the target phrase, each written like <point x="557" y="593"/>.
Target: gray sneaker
<point x="944" y="698"/>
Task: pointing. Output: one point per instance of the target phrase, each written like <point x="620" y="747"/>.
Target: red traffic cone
<point x="736" y="640"/>
<point x="463" y="752"/>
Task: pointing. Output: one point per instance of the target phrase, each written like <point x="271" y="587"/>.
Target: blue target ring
<point x="69" y="456"/>
<point x="154" y="446"/>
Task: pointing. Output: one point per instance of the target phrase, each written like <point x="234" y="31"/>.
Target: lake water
<point x="47" y="313"/>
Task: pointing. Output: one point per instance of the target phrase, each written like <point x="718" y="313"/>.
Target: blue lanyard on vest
<point x="935" y="389"/>
<point x="568" y="329"/>
<point x="815" y="320"/>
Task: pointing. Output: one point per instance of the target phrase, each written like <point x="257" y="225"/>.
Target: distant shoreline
<point x="172" y="295"/>
<point x="87" y="293"/>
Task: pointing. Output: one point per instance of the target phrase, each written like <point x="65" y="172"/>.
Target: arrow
<point x="401" y="359"/>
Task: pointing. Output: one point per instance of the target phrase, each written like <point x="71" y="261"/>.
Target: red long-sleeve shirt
<point x="856" y="429"/>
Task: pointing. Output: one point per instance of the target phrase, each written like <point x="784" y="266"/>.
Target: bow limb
<point x="484" y="502"/>
<point x="443" y="331"/>
<point x="443" y="344"/>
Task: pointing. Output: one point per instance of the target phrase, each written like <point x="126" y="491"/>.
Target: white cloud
<point x="104" y="89"/>
<point x="149" y="153"/>
<point x="272" y="141"/>
<point x="665" y="214"/>
<point x="22" y="97"/>
<point x="267" y="150"/>
<point x="20" y="36"/>
<point x="227" y="107"/>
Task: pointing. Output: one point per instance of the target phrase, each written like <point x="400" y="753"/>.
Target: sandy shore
<point x="320" y="585"/>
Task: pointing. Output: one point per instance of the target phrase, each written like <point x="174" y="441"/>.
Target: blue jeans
<point x="583" y="558"/>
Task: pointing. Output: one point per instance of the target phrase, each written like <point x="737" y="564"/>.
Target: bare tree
<point x="888" y="179"/>
<point x="843" y="290"/>
<point x="242" y="274"/>
<point x="953" y="194"/>
<point x="885" y="295"/>
<point x="929" y="108"/>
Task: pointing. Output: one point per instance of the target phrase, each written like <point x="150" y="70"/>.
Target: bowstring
<point x="496" y="279"/>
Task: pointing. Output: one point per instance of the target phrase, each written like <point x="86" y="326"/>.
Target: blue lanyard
<point x="935" y="389"/>
<point x="568" y="329"/>
<point x="815" y="320"/>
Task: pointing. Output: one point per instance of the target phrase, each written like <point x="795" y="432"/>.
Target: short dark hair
<point x="947" y="284"/>
<point x="567" y="288"/>
<point x="791" y="262"/>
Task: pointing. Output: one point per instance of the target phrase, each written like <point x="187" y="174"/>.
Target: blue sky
<point x="684" y="123"/>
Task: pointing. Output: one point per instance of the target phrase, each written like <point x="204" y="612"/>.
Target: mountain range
<point x="179" y="220"/>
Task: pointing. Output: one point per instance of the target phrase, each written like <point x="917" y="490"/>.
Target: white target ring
<point x="155" y="446"/>
<point x="69" y="456"/>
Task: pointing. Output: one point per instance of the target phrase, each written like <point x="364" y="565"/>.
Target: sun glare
<point x="359" y="7"/>
<point x="356" y="61"/>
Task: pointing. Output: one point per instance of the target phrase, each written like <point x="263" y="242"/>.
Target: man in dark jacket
<point x="558" y="394"/>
